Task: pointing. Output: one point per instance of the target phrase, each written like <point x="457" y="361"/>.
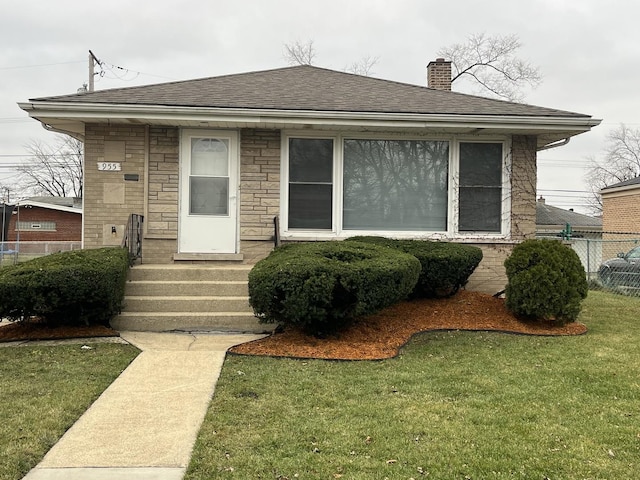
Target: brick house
<point x="621" y="215"/>
<point x="46" y="219"/>
<point x="211" y="162"/>
<point x="621" y="207"/>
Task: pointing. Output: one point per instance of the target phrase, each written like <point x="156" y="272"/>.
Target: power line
<point x="561" y="190"/>
<point x="118" y="72"/>
<point x="39" y="155"/>
<point x="39" y="65"/>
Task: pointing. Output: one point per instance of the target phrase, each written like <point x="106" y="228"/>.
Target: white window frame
<point x="337" y="231"/>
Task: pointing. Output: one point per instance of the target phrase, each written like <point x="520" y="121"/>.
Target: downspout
<point x="559" y="143"/>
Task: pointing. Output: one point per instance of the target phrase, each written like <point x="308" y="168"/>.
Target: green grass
<point x="44" y="390"/>
<point x="453" y="405"/>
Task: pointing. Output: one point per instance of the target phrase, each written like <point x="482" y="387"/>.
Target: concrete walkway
<point x="144" y="425"/>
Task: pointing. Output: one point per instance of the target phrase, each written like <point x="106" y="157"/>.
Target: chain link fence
<point x="610" y="259"/>
<point x="15" y="252"/>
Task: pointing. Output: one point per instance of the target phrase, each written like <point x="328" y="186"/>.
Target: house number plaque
<point x="109" y="166"/>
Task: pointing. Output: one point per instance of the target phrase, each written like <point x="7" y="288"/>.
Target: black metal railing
<point x="132" y="239"/>
<point x="276" y="231"/>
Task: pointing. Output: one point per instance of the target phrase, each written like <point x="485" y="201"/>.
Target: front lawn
<point x="453" y="405"/>
<point x="44" y="390"/>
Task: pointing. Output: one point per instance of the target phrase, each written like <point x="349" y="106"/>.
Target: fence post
<point x="588" y="260"/>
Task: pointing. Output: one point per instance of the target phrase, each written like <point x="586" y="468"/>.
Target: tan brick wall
<point x="162" y="209"/>
<point x="259" y="183"/>
<point x="621" y="211"/>
<point x="620" y="214"/>
<point x="158" y="250"/>
<point x="490" y="276"/>
<point x="523" y="187"/>
<point x="108" y="198"/>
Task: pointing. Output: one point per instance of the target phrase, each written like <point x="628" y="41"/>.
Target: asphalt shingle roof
<point x="626" y="183"/>
<point x="550" y="215"/>
<point x="312" y="89"/>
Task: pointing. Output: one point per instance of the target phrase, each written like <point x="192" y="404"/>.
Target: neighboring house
<point x="46" y="219"/>
<point x="211" y="162"/>
<point x="5" y="219"/>
<point x="621" y="207"/>
<point x="584" y="233"/>
<point x="621" y="216"/>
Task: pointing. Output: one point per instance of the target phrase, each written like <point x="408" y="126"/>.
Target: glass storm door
<point x="208" y="192"/>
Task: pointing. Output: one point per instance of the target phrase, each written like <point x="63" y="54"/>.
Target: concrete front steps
<point x="164" y="298"/>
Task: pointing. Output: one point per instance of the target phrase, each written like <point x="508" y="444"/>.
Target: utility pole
<point x="93" y="60"/>
<point x="4" y="219"/>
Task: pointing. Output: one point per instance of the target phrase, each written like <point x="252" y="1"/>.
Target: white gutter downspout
<point x="559" y="143"/>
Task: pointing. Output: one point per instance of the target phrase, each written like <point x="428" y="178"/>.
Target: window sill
<point x="315" y="236"/>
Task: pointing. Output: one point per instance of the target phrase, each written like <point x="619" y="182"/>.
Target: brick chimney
<point x="439" y="74"/>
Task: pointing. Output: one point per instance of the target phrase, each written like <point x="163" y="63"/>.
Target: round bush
<point x="546" y="281"/>
<point x="322" y="286"/>
<point x="445" y="266"/>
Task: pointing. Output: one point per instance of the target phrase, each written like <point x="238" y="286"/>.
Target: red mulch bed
<point x="375" y="337"/>
<point x="381" y="335"/>
<point x="35" y="329"/>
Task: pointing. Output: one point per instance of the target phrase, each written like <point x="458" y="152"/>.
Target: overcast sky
<point x="587" y="51"/>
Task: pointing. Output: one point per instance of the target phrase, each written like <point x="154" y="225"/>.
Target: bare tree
<point x="364" y="66"/>
<point x="620" y="162"/>
<point x="491" y="62"/>
<point x="298" y="53"/>
<point x="53" y="169"/>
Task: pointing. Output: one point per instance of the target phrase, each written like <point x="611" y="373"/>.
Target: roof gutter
<point x="559" y="143"/>
<point x="624" y="188"/>
<point x="65" y="110"/>
<point x="50" y="206"/>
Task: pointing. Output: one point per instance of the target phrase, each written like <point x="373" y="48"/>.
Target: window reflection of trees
<point x="310" y="183"/>
<point x="480" y="187"/>
<point x="395" y="184"/>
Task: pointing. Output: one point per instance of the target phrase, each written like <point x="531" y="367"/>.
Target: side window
<point x="480" y="189"/>
<point x="310" y="183"/>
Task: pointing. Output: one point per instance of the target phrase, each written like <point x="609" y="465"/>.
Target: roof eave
<point x="623" y="188"/>
<point x="91" y="112"/>
<point x="49" y="206"/>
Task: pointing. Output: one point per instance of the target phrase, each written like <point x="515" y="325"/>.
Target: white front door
<point x="208" y="191"/>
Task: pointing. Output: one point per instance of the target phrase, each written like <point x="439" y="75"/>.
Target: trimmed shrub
<point x="445" y="266"/>
<point x="81" y="286"/>
<point x="322" y="286"/>
<point x="546" y="281"/>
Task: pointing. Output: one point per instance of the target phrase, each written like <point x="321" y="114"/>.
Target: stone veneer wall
<point x="523" y="187"/>
<point x="107" y="194"/>
<point x="259" y="183"/>
<point x="161" y="220"/>
<point x="108" y="198"/>
<point x="162" y="208"/>
<point x="259" y="191"/>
